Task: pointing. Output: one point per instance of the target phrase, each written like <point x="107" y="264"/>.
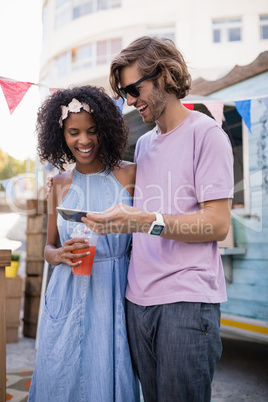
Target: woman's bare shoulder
<point x="61" y="184"/>
<point x="126" y="174"/>
<point x="125" y="168"/>
<point x="126" y="163"/>
<point x="63" y="178"/>
<point x="128" y="166"/>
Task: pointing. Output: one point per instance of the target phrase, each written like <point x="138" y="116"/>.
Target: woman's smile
<point x="85" y="151"/>
<point x="81" y="136"/>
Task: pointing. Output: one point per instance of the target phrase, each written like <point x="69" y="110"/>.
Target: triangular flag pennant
<point x="265" y="101"/>
<point x="189" y="106"/>
<point x="216" y="109"/>
<point x="14" y="92"/>
<point x="243" y="108"/>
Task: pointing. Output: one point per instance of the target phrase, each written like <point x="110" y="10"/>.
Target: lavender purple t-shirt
<point x="176" y="171"/>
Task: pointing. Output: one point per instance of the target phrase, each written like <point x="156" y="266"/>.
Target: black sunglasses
<point x="132" y="89"/>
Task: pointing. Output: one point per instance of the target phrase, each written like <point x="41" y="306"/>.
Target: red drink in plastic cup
<point x="81" y="231"/>
<point x="85" y="268"/>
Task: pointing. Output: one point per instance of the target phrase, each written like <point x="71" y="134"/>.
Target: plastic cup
<point x="85" y="268"/>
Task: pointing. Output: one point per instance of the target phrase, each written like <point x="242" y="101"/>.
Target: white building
<point x="81" y="36"/>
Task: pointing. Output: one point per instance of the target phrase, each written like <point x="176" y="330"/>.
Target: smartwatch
<point x="157" y="226"/>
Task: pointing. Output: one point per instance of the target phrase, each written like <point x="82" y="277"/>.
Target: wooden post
<point x="5" y="260"/>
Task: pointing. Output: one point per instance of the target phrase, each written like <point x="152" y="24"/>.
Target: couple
<point x="175" y="281"/>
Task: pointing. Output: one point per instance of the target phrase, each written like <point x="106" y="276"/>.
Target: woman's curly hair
<point x="111" y="129"/>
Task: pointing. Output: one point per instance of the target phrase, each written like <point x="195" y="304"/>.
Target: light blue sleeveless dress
<point x="83" y="353"/>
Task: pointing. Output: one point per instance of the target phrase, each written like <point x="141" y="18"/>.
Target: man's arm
<point x="210" y="223"/>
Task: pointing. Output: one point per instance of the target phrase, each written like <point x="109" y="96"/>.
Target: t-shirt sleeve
<point x="136" y="152"/>
<point x="213" y="164"/>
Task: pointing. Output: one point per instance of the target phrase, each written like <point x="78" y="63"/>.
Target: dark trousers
<point x="174" y="349"/>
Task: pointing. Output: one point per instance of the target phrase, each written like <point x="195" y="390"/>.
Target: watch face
<point x="157" y="230"/>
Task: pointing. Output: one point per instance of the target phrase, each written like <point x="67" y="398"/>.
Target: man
<point x="182" y="201"/>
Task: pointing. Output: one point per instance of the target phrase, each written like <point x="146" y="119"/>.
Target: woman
<point x="83" y="353"/>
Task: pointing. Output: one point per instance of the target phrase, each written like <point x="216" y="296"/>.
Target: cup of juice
<point x="85" y="268"/>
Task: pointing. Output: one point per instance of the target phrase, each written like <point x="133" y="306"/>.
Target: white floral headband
<point x="74" y="107"/>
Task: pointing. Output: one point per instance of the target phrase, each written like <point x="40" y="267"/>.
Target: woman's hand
<point x="64" y="254"/>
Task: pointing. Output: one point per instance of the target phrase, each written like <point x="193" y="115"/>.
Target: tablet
<point x="73" y="215"/>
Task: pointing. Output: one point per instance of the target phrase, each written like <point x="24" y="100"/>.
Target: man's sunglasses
<point x="132" y="89"/>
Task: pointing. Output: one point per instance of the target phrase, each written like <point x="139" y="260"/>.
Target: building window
<point x="264" y="26"/>
<point x="216" y="35"/>
<point x="162" y="32"/>
<point x="227" y="30"/>
<point x="232" y="125"/>
<point x="82" y="57"/>
<point x="107" y="50"/>
<point x="82" y="7"/>
<point x="87" y="56"/>
<point x="63" y="13"/>
<point x="105" y="4"/>
<point x="63" y="65"/>
<point x="68" y="10"/>
<point x="59" y="3"/>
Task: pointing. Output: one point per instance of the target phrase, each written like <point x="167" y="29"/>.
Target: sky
<point x="20" y="49"/>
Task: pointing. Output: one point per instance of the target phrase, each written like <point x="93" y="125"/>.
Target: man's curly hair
<point x="111" y="129"/>
<point x="153" y="54"/>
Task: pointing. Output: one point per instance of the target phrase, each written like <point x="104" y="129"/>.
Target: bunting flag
<point x="216" y="110"/>
<point x="243" y="108"/>
<point x="14" y="92"/>
<point x="189" y="106"/>
<point x="265" y="101"/>
<point x="119" y="103"/>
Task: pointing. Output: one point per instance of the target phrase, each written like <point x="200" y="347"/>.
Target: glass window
<point x="87" y="56"/>
<point x="63" y="13"/>
<point x="61" y="2"/>
<point x="82" y="57"/>
<point x="232" y="125"/>
<point x="63" y="64"/>
<point x="264" y="26"/>
<point x="162" y="32"/>
<point x="102" y="52"/>
<point x="116" y="47"/>
<point x="107" y="50"/>
<point x="234" y="34"/>
<point x="82" y="7"/>
<point x="227" y="30"/>
<point x="66" y="10"/>
<point x="115" y="3"/>
<point x="104" y="4"/>
<point x="216" y="35"/>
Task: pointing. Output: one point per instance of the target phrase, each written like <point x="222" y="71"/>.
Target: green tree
<point x="10" y="167"/>
<point x="3" y="159"/>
